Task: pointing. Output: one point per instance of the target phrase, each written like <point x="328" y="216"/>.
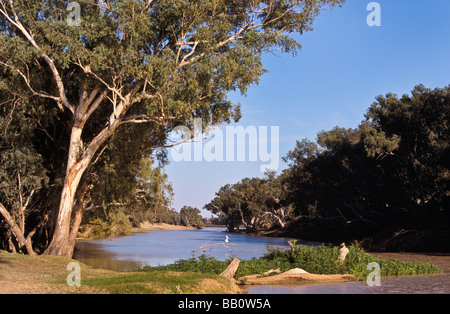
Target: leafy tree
<point x="253" y="203"/>
<point x="153" y="195"/>
<point x="159" y="63"/>
<point x="22" y="174"/>
<point x="190" y="216"/>
<point x="386" y="180"/>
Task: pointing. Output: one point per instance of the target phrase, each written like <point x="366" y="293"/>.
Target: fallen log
<point x="267" y="273"/>
<point x="293" y="278"/>
<point x="231" y="269"/>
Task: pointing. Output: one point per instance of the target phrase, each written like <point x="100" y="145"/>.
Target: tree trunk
<point x="60" y="243"/>
<point x="63" y="241"/>
<point x="18" y="233"/>
<point x="79" y="209"/>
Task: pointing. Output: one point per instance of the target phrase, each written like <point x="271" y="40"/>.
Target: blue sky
<point x="343" y="65"/>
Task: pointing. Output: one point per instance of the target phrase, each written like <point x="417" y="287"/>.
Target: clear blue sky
<point x="343" y="65"/>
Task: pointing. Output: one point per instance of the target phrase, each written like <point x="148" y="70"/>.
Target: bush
<point x="318" y="260"/>
<point x="115" y="223"/>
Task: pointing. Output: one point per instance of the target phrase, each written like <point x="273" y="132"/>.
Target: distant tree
<point x="253" y="203"/>
<point x="159" y="63"/>
<point x="153" y="194"/>
<point x="129" y="188"/>
<point x="190" y="217"/>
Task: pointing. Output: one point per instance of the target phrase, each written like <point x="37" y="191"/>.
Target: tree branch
<point x="59" y="83"/>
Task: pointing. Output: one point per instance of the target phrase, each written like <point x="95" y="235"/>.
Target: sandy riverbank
<point x="147" y="226"/>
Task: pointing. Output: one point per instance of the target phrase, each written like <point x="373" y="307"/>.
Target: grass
<point x="21" y="273"/>
<point x="161" y="282"/>
<point x="318" y="260"/>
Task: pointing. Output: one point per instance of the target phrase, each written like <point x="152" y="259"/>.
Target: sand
<point x="146" y="226"/>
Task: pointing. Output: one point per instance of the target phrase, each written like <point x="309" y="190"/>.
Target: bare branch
<point x="27" y="82"/>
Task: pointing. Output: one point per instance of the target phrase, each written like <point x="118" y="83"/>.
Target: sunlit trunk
<point x="60" y="243"/>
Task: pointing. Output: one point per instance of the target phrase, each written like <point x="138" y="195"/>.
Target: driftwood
<point x="276" y="271"/>
<point x="293" y="278"/>
<point x="221" y="243"/>
<point x="295" y="275"/>
<point x="231" y="269"/>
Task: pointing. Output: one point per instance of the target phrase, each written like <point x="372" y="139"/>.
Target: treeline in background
<point x="384" y="183"/>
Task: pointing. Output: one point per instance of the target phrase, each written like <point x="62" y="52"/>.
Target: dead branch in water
<point x="221" y="243"/>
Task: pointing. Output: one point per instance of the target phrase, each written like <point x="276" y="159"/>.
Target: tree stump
<point x="231" y="269"/>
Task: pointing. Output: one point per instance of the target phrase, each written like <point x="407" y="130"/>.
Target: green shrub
<point x="318" y="260"/>
<point x="114" y="223"/>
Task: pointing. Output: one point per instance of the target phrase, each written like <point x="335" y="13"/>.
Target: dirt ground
<point x="23" y="274"/>
<point x="38" y="274"/>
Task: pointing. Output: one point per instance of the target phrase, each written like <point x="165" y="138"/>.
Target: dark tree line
<point x="384" y="183"/>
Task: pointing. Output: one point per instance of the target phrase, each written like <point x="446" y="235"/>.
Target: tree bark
<point x="63" y="241"/>
<point x="60" y="243"/>
<point x="18" y="233"/>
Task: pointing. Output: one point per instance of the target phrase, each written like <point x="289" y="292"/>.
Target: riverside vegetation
<point x="384" y="183"/>
<point x="47" y="274"/>
<point x="322" y="259"/>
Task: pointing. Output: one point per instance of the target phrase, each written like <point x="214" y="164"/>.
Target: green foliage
<point x="110" y="224"/>
<point x="23" y="174"/>
<point x="321" y="259"/>
<point x="387" y="176"/>
<point x="130" y="73"/>
<point x="190" y="216"/>
<point x="201" y="264"/>
<point x="21" y="166"/>
<point x="253" y="203"/>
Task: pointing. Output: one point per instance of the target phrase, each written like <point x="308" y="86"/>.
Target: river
<point x="164" y="247"/>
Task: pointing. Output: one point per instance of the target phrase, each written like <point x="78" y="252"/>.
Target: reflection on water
<point x="164" y="247"/>
<point x="393" y="285"/>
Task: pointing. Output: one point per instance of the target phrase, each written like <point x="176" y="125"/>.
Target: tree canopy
<point x="385" y="183"/>
<point x="155" y="63"/>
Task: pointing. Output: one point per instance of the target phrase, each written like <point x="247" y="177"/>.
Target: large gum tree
<point x="157" y="62"/>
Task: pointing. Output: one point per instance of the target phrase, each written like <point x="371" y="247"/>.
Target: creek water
<point x="165" y="247"/>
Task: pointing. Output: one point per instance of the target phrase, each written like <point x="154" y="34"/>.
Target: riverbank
<point x="24" y="274"/>
<point x="147" y="226"/>
<point x="144" y="226"/>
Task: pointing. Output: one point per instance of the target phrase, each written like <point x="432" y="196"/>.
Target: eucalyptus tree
<point x="157" y="62"/>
